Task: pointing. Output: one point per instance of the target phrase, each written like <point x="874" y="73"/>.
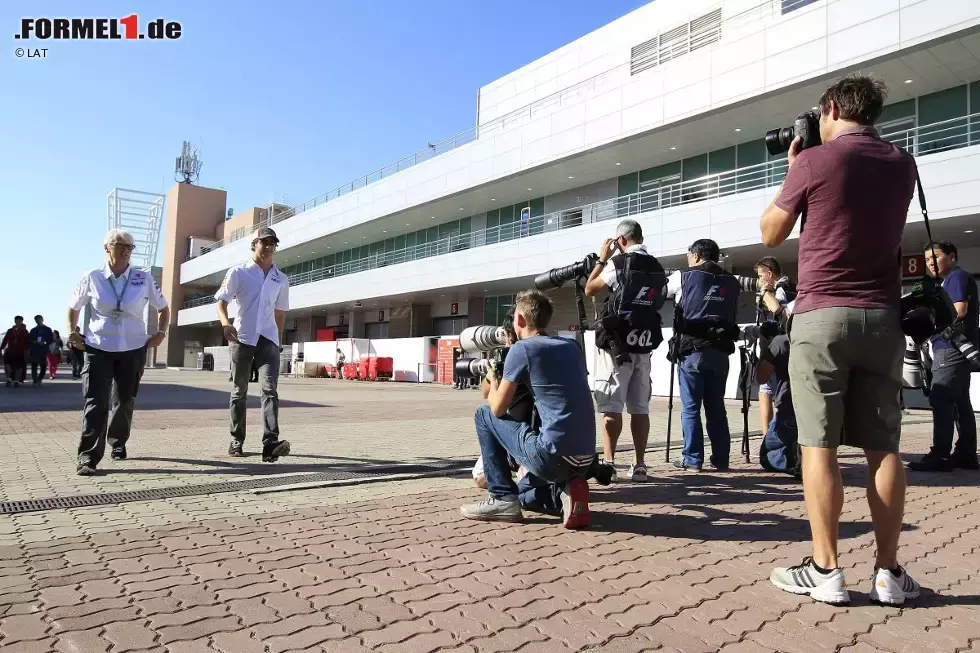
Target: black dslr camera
<point x="926" y="310"/>
<point x="806" y="126"/>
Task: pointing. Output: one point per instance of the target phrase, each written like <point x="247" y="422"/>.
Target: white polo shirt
<point x="259" y="296"/>
<point x="133" y="291"/>
<point x="608" y="274"/>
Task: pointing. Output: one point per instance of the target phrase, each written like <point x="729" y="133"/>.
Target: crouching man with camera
<point x="558" y="452"/>
<point x="845" y="364"/>
<point x="627" y="331"/>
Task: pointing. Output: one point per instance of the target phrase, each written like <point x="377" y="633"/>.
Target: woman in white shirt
<point x="115" y="345"/>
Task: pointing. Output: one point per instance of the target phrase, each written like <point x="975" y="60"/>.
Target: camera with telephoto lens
<point x="916" y="366"/>
<point x="806" y="126"/>
<point x="926" y="310"/>
<point x="478" y="339"/>
<point x="557" y="277"/>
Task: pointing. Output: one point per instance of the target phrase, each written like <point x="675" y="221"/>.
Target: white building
<point x="659" y="116"/>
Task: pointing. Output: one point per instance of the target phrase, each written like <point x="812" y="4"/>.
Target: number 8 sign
<point x="913" y="266"/>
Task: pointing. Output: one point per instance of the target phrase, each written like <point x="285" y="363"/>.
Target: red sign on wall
<point x="573" y="327"/>
<point x="381" y="316"/>
<point x="913" y="266"/>
<point x="454" y="309"/>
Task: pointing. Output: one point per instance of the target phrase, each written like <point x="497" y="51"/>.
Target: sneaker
<point x="720" y="468"/>
<point x="271" y="454"/>
<point x="680" y="464"/>
<point x="236" y="449"/>
<point x="85" y="470"/>
<point x="805" y="579"/>
<point x="638" y="473"/>
<point x="602" y="473"/>
<point x="931" y="463"/>
<point x="575" y="504"/>
<point x="965" y="461"/>
<point x="493" y="508"/>
<point x="118" y="453"/>
<point x="889" y="589"/>
<point x="609" y="471"/>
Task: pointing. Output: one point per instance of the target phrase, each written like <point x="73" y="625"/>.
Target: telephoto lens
<point x="967" y="348"/>
<point x="749" y="284"/>
<point x="912" y="376"/>
<point x="482" y="338"/>
<point x="472" y="368"/>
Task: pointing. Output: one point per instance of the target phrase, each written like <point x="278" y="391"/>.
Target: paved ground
<point x="677" y="564"/>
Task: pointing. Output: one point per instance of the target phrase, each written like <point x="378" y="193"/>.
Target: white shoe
<point x="890" y="589"/>
<point x="493" y="508"/>
<point x="805" y="579"/>
<point x="638" y="473"/>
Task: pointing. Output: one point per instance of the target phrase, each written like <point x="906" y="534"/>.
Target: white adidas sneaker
<point x="805" y="579"/>
<point x="890" y="589"/>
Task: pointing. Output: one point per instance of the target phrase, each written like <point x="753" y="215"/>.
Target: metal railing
<point x="925" y="139"/>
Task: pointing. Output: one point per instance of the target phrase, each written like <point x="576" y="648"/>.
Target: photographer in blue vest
<point x="705" y="331"/>
<point x="627" y="330"/>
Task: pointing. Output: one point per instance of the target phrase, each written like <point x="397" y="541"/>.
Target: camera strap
<point x="925" y="211"/>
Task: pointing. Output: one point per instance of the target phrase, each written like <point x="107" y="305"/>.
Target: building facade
<point x="658" y="116"/>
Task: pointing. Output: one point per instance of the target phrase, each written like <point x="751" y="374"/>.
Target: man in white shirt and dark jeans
<point x="261" y="291"/>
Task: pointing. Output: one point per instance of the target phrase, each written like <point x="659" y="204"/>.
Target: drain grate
<point x="173" y="492"/>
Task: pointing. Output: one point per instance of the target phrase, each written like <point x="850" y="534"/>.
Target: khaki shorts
<point x="845" y="370"/>
<point x="627" y="385"/>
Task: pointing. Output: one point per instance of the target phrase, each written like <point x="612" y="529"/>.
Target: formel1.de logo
<point x="97" y="29"/>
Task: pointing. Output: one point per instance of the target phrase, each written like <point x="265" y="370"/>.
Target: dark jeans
<point x="39" y="366"/>
<point x="547" y="472"/>
<point x="77" y="362"/>
<point x="702" y="376"/>
<point x="15" y="366"/>
<point x="265" y="353"/>
<point x="949" y="396"/>
<point x="108" y="376"/>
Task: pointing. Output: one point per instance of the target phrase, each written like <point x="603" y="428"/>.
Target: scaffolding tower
<point x="141" y="214"/>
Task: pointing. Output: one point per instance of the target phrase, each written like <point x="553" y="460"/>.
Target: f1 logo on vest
<point x="715" y="294"/>
<point x="646" y="296"/>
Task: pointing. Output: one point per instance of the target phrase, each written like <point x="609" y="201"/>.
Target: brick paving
<point x="677" y="564"/>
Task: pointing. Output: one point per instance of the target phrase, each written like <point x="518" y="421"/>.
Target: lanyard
<point x="122" y="293"/>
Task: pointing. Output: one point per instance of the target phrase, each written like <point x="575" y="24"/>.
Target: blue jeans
<point x="548" y="472"/>
<point x="703" y="375"/>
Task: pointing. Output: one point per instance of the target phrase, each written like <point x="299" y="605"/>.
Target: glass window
<point x="942" y="116"/>
<point x="628" y="185"/>
<point x="493" y="224"/>
<point x="399" y="242"/>
<point x="490" y="310"/>
<point x="722" y="164"/>
<point x="747" y="155"/>
<point x="793" y="5"/>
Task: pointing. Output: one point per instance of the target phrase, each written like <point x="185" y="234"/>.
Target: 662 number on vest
<point x="639" y="338"/>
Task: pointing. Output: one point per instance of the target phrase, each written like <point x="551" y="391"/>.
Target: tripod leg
<point x="670" y="408"/>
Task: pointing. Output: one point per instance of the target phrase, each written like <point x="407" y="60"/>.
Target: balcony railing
<point x="926" y="139"/>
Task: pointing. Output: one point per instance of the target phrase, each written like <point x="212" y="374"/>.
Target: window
<point x="944" y="111"/>
<point x="376" y="330"/>
<point x="676" y="42"/>
<point x="793" y="5"/>
<point x="448" y="326"/>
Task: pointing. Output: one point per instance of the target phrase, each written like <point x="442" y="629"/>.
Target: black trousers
<point x="108" y="376"/>
<point x="949" y="397"/>
<point x="77" y="362"/>
<point x="39" y="365"/>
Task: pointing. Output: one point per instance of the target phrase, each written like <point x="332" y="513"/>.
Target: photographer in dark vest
<point x="628" y="328"/>
<point x="705" y="331"/>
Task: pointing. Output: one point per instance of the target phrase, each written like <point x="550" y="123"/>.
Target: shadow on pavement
<point x="252" y="465"/>
<point x="62" y="396"/>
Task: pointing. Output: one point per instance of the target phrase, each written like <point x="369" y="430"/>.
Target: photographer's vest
<point x="636" y="303"/>
<point x="706" y="314"/>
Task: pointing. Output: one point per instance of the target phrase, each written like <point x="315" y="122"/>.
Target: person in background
<point x="949" y="393"/>
<point x="40" y="340"/>
<point x="115" y="345"/>
<point x="14" y="348"/>
<point x="775" y="295"/>
<point x="54" y="355"/>
<point x="77" y="356"/>
<point x="341" y="359"/>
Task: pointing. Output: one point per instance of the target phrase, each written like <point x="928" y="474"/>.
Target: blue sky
<point x="288" y="98"/>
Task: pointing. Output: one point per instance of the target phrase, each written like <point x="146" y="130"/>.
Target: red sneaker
<point x="575" y="504"/>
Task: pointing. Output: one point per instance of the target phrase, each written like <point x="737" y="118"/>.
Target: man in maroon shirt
<point x="14" y="346"/>
<point x="846" y="340"/>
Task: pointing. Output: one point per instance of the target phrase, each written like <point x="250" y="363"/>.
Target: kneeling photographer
<point x="777" y="290"/>
<point x="949" y="390"/>
<point x="559" y="451"/>
<point x="779" y="451"/>
<point x="628" y="329"/>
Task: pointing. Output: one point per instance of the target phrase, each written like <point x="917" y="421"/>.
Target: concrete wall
<point x="191" y="211"/>
<point x="952" y="179"/>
